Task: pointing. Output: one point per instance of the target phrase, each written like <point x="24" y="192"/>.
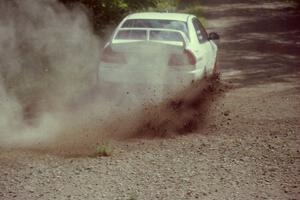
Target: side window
<point x="200" y="30"/>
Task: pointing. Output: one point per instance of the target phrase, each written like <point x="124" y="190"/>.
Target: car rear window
<point x="156" y="23"/>
<point x="131" y="35"/>
<point x="166" y="36"/>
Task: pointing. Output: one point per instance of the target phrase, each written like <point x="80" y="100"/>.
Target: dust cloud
<point x="48" y="58"/>
<point x="49" y="96"/>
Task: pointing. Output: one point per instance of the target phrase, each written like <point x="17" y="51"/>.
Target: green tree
<point x="109" y="12"/>
<point x="103" y="12"/>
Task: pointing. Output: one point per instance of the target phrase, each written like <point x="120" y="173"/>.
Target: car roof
<point x="160" y="15"/>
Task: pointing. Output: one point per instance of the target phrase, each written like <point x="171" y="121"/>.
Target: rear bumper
<point x="146" y="76"/>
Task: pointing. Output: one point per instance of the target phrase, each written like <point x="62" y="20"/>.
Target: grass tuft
<point x="103" y="150"/>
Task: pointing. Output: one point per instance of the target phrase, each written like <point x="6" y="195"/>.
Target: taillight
<point x="192" y="60"/>
<point x="110" y="56"/>
<point x="186" y="58"/>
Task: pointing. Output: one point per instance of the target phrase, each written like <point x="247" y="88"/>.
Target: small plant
<point x="103" y="150"/>
<point x="161" y="6"/>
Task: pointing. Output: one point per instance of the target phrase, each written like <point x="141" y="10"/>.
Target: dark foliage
<point x="104" y="12"/>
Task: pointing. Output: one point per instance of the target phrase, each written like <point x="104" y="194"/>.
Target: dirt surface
<point x="248" y="145"/>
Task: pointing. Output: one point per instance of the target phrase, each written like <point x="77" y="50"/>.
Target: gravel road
<point x="248" y="145"/>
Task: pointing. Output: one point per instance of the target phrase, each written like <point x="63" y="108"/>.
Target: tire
<point x="206" y="75"/>
<point x="216" y="71"/>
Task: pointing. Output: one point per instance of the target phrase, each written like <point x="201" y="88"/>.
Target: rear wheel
<point x="216" y="71"/>
<point x="206" y="75"/>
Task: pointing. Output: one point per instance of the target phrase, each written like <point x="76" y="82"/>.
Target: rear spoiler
<point x="185" y="39"/>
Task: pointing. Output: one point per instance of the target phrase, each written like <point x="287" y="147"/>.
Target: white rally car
<point x="167" y="49"/>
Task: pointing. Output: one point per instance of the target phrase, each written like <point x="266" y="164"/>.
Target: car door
<point x="203" y="48"/>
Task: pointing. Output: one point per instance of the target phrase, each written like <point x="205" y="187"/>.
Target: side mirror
<point x="213" y="36"/>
